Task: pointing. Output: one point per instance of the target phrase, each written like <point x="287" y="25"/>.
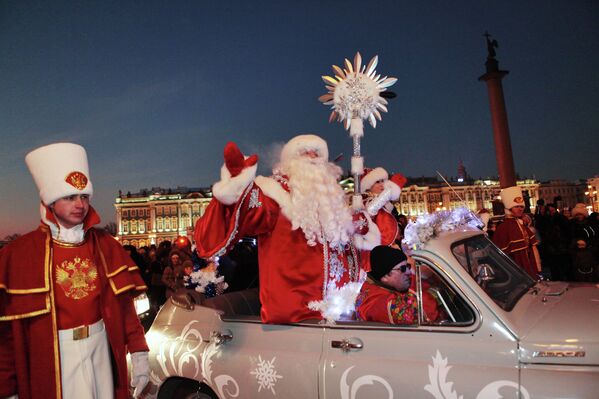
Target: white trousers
<point x="85" y="365"/>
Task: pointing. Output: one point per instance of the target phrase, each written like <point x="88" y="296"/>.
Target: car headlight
<point x="142" y="304"/>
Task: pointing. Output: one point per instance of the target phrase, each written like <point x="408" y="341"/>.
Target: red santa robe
<point x="29" y="348"/>
<point x="292" y="273"/>
<point x="517" y="241"/>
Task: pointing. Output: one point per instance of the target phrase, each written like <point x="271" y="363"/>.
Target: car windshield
<point x="502" y="279"/>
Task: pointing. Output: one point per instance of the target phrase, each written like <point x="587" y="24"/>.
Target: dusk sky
<point x="154" y="90"/>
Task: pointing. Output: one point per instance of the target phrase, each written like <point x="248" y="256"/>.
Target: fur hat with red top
<point x="371" y="176"/>
<point x="59" y="170"/>
<point x="304" y="142"/>
<point x="511" y="197"/>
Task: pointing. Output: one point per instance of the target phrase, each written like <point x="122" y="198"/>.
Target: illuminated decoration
<point x="418" y="233"/>
<point x="338" y="301"/>
<point x="77" y="180"/>
<point x="354" y="93"/>
<point x="206" y="282"/>
<point x="182" y="242"/>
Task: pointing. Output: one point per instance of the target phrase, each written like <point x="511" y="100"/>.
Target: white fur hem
<point x="229" y="189"/>
<point x="369" y="240"/>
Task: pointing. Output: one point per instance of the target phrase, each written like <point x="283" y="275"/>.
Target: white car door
<point x="465" y="353"/>
<point x="268" y="361"/>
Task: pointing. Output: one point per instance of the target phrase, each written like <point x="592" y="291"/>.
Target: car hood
<point x="560" y="324"/>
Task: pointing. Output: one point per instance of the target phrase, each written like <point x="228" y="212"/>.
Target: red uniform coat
<point x="29" y="352"/>
<point x="292" y="273"/>
<point x="516" y="240"/>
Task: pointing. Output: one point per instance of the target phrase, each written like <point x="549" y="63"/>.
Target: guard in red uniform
<point x="67" y="318"/>
<point x="307" y="241"/>
<point x="386" y="296"/>
<point x="513" y="237"/>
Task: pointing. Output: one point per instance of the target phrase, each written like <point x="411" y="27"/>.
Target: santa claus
<point x="308" y="238"/>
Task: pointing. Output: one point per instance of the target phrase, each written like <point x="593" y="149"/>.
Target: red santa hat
<point x="305" y="142"/>
<point x="371" y="176"/>
<point x="511" y="197"/>
<point x="59" y="170"/>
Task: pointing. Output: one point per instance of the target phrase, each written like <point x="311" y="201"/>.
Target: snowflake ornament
<point x="354" y="93"/>
<point x="266" y="374"/>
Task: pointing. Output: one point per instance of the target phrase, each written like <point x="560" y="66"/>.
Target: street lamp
<point x="592" y="194"/>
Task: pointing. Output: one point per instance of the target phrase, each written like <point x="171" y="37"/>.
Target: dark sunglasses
<point x="403" y="268"/>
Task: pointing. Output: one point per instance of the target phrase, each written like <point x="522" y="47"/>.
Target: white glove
<point x="140" y="373"/>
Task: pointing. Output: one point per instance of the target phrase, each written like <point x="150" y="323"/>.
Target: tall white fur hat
<point x="303" y="142"/>
<point x="371" y="177"/>
<point x="511" y="197"/>
<point x="59" y="170"/>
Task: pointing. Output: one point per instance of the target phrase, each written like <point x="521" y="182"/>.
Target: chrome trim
<point x="443" y="272"/>
<point x="347" y="345"/>
<point x="559" y="354"/>
<point x="220" y="338"/>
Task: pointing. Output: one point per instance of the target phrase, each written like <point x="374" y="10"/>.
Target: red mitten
<point x="235" y="161"/>
<point x="399" y="179"/>
<point x="360" y="223"/>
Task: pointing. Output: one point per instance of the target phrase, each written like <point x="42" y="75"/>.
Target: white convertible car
<point x="503" y="335"/>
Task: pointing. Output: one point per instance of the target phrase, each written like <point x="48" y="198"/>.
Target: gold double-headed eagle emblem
<point x="77" y="277"/>
<point x="77" y="180"/>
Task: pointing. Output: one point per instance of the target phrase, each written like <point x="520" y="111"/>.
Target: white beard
<point x="318" y="204"/>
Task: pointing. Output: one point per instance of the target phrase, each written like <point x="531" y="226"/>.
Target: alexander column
<point x="501" y="131"/>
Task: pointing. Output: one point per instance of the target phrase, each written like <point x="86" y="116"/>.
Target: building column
<point x="501" y="132"/>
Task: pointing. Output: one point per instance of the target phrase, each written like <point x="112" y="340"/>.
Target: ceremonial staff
<point x="355" y="93"/>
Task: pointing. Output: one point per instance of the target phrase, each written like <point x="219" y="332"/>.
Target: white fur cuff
<point x="229" y="189"/>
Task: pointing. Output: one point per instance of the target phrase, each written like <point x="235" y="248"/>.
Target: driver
<point x="386" y="296"/>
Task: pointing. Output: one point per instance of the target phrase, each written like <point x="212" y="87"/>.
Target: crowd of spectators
<point x="569" y="242"/>
<point x="166" y="268"/>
